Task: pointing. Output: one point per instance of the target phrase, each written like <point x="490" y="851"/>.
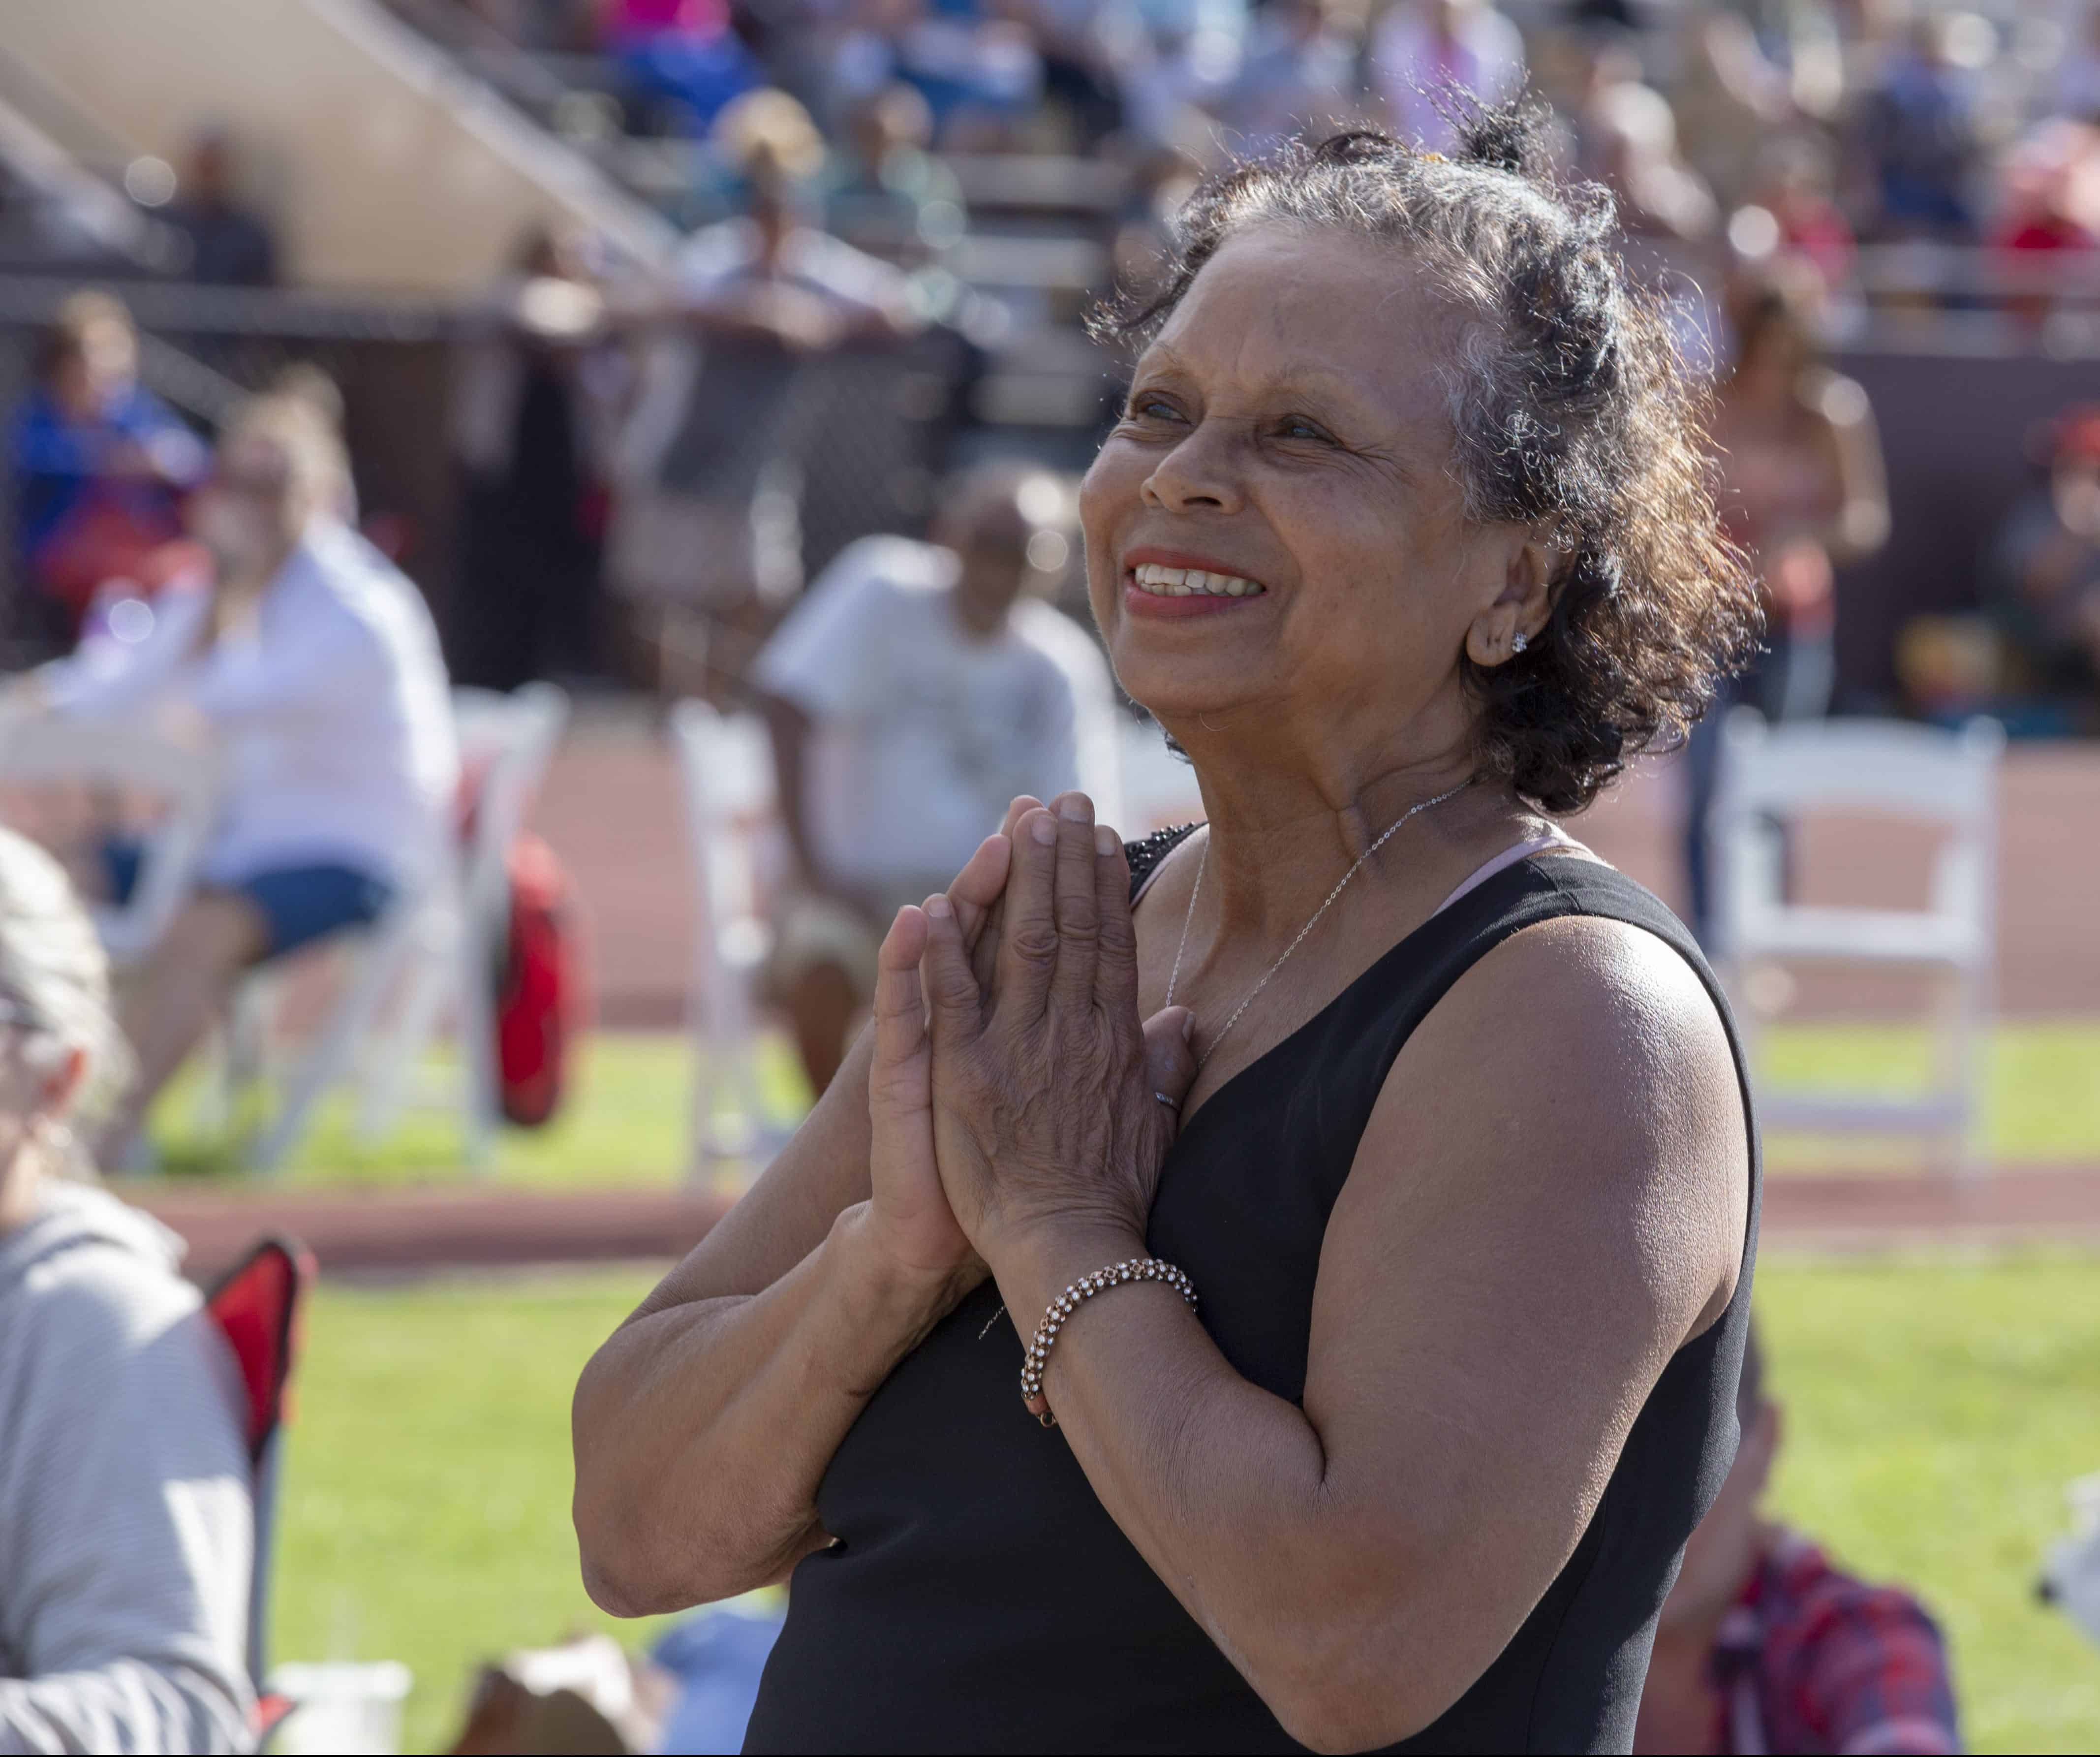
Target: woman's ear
<point x="1531" y="562"/>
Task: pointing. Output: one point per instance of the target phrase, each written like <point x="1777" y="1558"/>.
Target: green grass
<point x="1934" y="1415"/>
<point x="2043" y="1102"/>
<point x="425" y="1515"/>
<point x="626" y="1121"/>
<point x="1934" y="1411"/>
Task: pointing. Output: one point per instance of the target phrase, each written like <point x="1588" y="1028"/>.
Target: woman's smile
<point x="1170" y="584"/>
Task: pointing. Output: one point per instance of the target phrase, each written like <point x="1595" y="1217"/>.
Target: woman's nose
<point x="1201" y="473"/>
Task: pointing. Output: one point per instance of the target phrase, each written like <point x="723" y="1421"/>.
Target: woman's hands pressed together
<point x="1013" y="1050"/>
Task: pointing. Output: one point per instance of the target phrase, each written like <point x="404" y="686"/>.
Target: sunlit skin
<point x="1549" y="1196"/>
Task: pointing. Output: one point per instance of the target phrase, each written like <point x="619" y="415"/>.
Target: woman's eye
<point x="1296" y="427"/>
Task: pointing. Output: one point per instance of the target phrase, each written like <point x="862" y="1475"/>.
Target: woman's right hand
<point x="908" y="1210"/>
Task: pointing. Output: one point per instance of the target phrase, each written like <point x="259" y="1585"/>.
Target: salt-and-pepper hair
<point x="1571" y="412"/>
<point x="54" y="973"/>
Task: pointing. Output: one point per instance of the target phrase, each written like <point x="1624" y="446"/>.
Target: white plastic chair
<point x="726" y="775"/>
<point x="436" y="943"/>
<point x="1769" y="774"/>
<point x="132" y="754"/>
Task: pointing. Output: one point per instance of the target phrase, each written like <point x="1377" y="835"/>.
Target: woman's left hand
<point x="1045" y="1116"/>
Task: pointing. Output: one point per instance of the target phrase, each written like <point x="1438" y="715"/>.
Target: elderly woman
<point x="1403" y="536"/>
<point x="126" y="1523"/>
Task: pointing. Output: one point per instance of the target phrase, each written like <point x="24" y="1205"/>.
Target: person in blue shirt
<point x="98" y="466"/>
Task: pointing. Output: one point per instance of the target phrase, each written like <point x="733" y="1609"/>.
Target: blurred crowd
<point x="1822" y="125"/>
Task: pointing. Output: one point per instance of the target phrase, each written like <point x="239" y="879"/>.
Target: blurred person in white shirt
<point x="312" y="666"/>
<point x="917" y="690"/>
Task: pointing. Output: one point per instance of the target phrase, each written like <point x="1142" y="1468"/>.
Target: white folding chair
<point x="725" y="774"/>
<point x="1159" y="789"/>
<point x="437" y="943"/>
<point x="134" y="755"/>
<point x="1948" y="779"/>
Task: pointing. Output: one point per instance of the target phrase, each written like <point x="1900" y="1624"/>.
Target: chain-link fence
<point x="874" y="424"/>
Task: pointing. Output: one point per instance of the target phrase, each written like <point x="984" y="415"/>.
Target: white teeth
<point x="1192" y="582"/>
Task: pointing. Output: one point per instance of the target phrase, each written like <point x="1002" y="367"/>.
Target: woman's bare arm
<point x="701" y="1427"/>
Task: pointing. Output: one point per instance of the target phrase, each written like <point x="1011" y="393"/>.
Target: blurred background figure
<point x="99" y="465"/>
<point x="1626" y="135"/>
<point x="2042" y="579"/>
<point x="884" y="191"/>
<point x="1764" y="1646"/>
<point x="1916" y="146"/>
<point x="681" y="58"/>
<point x="125" y="1523"/>
<point x="1420" y="47"/>
<point x="314" y="667"/>
<point x="1728" y="98"/>
<point x="1299" y="76"/>
<point x="538" y="399"/>
<point x="919" y="688"/>
<point x="1803" y="489"/>
<point x="2048" y="204"/>
<point x="1792" y="214"/>
<point x="706" y="542"/>
<point x="230" y="244"/>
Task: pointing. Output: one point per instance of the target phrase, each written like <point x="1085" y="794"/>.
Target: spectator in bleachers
<point x="2042" y="578"/>
<point x="1915" y="141"/>
<point x="706" y="539"/>
<point x="1803" y="489"/>
<point x="1728" y="98"/>
<point x="1299" y="77"/>
<point x="1626" y="138"/>
<point x="2075" y="91"/>
<point x="534" y="414"/>
<point x="884" y="193"/>
<point x="917" y="690"/>
<point x="1794" y="185"/>
<point x="230" y="244"/>
<point x="1175" y="59"/>
<point x="1422" y="47"/>
<point x="126" y="1529"/>
<point x="1763" y="1646"/>
<point x="99" y="465"/>
<point x="681" y="56"/>
<point x="977" y="70"/>
<point x="311" y="666"/>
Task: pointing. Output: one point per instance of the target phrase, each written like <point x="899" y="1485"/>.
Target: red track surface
<point x="611" y="809"/>
<point x="396" y="1231"/>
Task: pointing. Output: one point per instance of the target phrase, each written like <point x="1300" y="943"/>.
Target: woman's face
<point x="1288" y="428"/>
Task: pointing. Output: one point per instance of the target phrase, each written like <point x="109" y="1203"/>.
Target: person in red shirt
<point x="1764" y="1646"/>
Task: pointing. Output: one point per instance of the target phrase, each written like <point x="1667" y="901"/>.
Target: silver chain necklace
<point x="1196" y="890"/>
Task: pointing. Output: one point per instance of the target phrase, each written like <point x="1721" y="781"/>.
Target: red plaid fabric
<point x="1812" y="1660"/>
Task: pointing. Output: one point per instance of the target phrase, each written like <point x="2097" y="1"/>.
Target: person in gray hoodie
<point x="126" y="1526"/>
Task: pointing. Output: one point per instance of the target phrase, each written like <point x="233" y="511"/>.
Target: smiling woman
<point x="1363" y="1184"/>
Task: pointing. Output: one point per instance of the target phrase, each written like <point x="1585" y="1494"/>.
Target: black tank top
<point x="979" y="1599"/>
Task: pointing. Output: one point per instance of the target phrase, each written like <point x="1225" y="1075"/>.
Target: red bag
<point x="540" y="991"/>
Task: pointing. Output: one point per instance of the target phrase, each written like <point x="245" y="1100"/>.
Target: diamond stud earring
<point x="1517" y="641"/>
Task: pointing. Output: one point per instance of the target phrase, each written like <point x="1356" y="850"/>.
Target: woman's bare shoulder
<point x="1580" y="1071"/>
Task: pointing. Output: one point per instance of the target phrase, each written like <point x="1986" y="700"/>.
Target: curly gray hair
<point x="1570" y="410"/>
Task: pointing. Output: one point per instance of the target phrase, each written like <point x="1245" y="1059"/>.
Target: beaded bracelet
<point x="1038" y="1358"/>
